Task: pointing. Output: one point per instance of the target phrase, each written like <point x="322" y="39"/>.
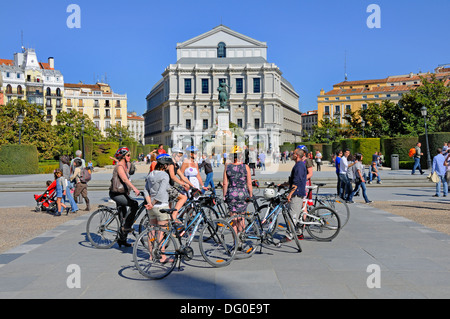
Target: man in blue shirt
<point x="337" y="162"/>
<point x="297" y="184"/>
<point x="440" y="169"/>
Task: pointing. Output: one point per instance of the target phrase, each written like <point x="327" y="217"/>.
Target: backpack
<point x="412" y="152"/>
<point x="85" y="175"/>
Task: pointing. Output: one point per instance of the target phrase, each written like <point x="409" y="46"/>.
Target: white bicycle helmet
<point x="269" y="193"/>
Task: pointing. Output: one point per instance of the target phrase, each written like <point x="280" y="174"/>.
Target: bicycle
<point x="321" y="222"/>
<point x="157" y="251"/>
<point x="253" y="233"/>
<point x="332" y="201"/>
<point x="103" y="226"/>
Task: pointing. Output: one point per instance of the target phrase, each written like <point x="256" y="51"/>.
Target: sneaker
<point x="379" y="182"/>
<point x="435" y="195"/>
<point x="350" y="202"/>
<point x="370" y="201"/>
<point x="370" y="182"/>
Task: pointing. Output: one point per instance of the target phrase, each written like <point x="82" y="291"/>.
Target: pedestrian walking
<point x="80" y="186"/>
<point x="252" y="159"/>
<point x="318" y="159"/>
<point x="345" y="186"/>
<point x="262" y="160"/>
<point x="440" y="169"/>
<point x="206" y="164"/>
<point x="69" y="185"/>
<point x="359" y="179"/>
<point x="337" y="162"/>
<point x="418" y="153"/>
<point x="60" y="190"/>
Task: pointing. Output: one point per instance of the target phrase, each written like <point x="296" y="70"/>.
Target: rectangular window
<point x="327" y="110"/>
<point x="364" y="106"/>
<point x="257" y="124"/>
<point x="205" y="86"/>
<point x="348" y="109"/>
<point x="256" y="85"/>
<point x="239" y="86"/>
<point x="188" y="124"/>
<point x="239" y="123"/>
<point x="205" y="124"/>
<point x="187" y="86"/>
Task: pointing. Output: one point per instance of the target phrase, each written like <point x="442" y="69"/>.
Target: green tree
<point x="435" y="96"/>
<point x="35" y="129"/>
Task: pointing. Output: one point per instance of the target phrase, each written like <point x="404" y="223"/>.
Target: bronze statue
<point x="223" y="95"/>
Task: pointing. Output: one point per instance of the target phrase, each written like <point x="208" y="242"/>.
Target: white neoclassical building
<point x="182" y="105"/>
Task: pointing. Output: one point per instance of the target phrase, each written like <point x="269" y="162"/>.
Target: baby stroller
<point x="47" y="200"/>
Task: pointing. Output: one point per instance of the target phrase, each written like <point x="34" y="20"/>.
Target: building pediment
<point x="206" y="44"/>
<point x="221" y="33"/>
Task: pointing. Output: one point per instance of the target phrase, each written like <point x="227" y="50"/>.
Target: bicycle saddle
<point x="320" y="184"/>
<point x="167" y="210"/>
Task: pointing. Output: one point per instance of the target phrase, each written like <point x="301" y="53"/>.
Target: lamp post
<point x="423" y="110"/>
<point x="363" y="124"/>
<point x="20" y="121"/>
<point x="82" y="139"/>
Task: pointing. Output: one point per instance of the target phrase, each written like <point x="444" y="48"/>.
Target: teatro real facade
<point x="182" y="105"/>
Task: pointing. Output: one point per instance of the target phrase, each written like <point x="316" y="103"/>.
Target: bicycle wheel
<point x="218" y="242"/>
<point x="248" y="234"/>
<point x="340" y="207"/>
<point x="327" y="223"/>
<point x="102" y="228"/>
<point x="144" y="223"/>
<point x="155" y="253"/>
<point x="291" y="229"/>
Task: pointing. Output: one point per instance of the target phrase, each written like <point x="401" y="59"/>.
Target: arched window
<point x="19" y="90"/>
<point x="9" y="89"/>
<point x="58" y="92"/>
<point x="49" y="91"/>
<point x="221" y="50"/>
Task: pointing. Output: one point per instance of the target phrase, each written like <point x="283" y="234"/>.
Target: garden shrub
<point x="19" y="159"/>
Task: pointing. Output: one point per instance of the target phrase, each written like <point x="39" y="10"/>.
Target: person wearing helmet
<point x="237" y="187"/>
<point x="175" y="193"/>
<point x="156" y="191"/>
<point x="121" y="196"/>
<point x="190" y="168"/>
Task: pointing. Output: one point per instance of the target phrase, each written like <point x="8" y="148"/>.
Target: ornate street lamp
<point x="82" y="138"/>
<point x="20" y="121"/>
<point x="423" y="110"/>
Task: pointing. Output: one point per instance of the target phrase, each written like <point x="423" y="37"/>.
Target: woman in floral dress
<point x="237" y="187"/>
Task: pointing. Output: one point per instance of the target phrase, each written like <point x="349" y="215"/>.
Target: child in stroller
<point x="47" y="200"/>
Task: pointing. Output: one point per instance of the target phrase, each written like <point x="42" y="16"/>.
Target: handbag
<point x="117" y="186"/>
<point x="434" y="177"/>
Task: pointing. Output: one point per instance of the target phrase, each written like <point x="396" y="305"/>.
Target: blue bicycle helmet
<point x="164" y="159"/>
<point x="191" y="149"/>
<point x="303" y="147"/>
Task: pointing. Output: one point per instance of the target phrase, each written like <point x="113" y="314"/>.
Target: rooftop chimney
<point x="51" y="62"/>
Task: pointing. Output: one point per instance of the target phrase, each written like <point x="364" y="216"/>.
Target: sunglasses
<point x="128" y="155"/>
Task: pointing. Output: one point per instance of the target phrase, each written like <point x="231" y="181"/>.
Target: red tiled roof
<point x="362" y="82"/>
<point x="6" y="62"/>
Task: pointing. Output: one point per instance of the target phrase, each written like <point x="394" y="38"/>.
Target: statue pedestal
<point x="223" y="120"/>
<point x="224" y="137"/>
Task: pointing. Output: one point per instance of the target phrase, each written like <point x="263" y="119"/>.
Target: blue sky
<point x="133" y="41"/>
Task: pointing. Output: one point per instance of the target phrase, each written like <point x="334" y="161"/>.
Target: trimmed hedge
<point x="18" y="159"/>
<point x="103" y="151"/>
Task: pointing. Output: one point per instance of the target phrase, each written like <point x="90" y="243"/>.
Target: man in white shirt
<point x="345" y="185"/>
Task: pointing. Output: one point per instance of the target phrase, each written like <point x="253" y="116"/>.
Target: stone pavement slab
<point x="414" y="262"/>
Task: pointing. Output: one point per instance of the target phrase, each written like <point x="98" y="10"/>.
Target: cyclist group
<point x="169" y="182"/>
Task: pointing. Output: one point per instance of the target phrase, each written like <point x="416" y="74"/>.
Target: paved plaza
<point x="376" y="255"/>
